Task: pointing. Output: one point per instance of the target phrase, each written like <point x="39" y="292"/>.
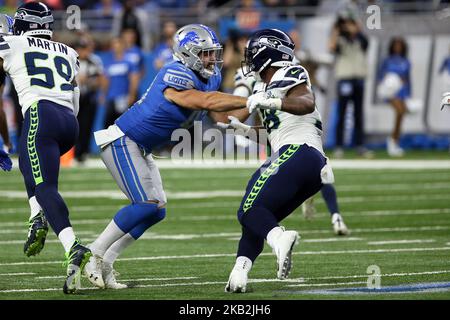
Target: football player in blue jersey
<point x="180" y="88"/>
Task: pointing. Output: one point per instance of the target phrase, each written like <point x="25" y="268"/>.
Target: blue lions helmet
<point x="198" y="48"/>
<point x="268" y="48"/>
<point x="6" y="23"/>
<point x="33" y="19"/>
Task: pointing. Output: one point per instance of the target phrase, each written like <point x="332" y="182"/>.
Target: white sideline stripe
<point x="336" y="163"/>
<point x="221" y="255"/>
<point x="18" y="274"/>
<point x="302" y="280"/>
<point x="335" y="239"/>
<point x="408" y="274"/>
<point x="326" y="284"/>
<point x="217" y="205"/>
<point x="143" y="279"/>
<point x="22" y="210"/>
<point x="399" y="242"/>
<point x="115" y="194"/>
<point x="152" y="235"/>
<point x="24" y="231"/>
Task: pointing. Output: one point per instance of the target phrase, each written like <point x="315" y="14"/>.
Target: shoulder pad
<point x="288" y="77"/>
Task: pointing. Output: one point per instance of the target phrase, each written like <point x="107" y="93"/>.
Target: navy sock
<point x="54" y="207"/>
<point x="132" y="215"/>
<point x="330" y="197"/>
<point x="259" y="220"/>
<point x="138" y="230"/>
<point x="250" y="245"/>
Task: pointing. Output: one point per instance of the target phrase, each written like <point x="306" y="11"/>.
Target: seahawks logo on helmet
<point x="33" y="19"/>
<point x="272" y="42"/>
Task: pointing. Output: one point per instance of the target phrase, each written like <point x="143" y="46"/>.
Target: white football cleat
<point x="237" y="282"/>
<point x="308" y="208"/>
<point x="283" y="247"/>
<point x="339" y="226"/>
<point x="109" y="275"/>
<point x="93" y="271"/>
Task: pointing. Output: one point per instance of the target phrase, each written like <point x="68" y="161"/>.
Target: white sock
<point x="67" y="238"/>
<point x="117" y="247"/>
<point x="35" y="208"/>
<point x="243" y="263"/>
<point x="273" y="235"/>
<point x="111" y="234"/>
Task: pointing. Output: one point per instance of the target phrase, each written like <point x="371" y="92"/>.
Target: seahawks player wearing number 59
<point x="298" y="167"/>
<point x="181" y="88"/>
<point x="43" y="73"/>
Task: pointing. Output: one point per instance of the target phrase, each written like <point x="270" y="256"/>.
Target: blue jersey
<point x="151" y="121"/>
<point x="117" y="72"/>
<point x="400" y="66"/>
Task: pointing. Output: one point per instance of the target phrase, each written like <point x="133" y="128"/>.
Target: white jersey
<point x="283" y="127"/>
<point x="40" y="69"/>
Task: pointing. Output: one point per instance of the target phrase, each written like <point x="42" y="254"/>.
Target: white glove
<point x="234" y="124"/>
<point x="445" y="100"/>
<point x="264" y="100"/>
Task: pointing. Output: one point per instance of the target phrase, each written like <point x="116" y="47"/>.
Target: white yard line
<point x="118" y="195"/>
<point x="299" y="282"/>
<point x="221" y="255"/>
<point x="405" y="274"/>
<point x="375" y="243"/>
<point x="338" y="164"/>
<point x="18" y="274"/>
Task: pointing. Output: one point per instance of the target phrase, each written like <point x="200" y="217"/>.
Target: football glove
<point x="5" y="161"/>
<point x="234" y="124"/>
<point x="445" y="100"/>
<point x="265" y="100"/>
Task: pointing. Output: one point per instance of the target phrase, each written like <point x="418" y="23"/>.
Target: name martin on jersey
<point x="47" y="45"/>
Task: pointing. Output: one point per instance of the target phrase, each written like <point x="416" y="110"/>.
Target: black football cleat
<point x="37" y="233"/>
<point x="76" y="259"/>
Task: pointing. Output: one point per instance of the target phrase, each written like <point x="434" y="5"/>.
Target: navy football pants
<point x="49" y="130"/>
<point x="275" y="190"/>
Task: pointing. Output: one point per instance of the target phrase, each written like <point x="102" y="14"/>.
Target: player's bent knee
<point x="161" y="214"/>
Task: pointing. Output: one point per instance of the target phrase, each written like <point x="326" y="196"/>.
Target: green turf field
<point x="400" y="221"/>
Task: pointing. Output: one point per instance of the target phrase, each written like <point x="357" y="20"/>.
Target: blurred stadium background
<point x="143" y="29"/>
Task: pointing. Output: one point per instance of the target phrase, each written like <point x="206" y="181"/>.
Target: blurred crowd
<point x="116" y="70"/>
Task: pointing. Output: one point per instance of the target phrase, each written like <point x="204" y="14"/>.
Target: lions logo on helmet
<point x="198" y="48"/>
<point x="266" y="48"/>
<point x="33" y="19"/>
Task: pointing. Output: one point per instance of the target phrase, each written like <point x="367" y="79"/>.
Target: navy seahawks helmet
<point x="268" y="48"/>
<point x="33" y="19"/>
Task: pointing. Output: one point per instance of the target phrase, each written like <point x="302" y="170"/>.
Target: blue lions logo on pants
<point x="189" y="37"/>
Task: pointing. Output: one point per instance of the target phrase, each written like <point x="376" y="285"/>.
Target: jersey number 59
<point x="62" y="67"/>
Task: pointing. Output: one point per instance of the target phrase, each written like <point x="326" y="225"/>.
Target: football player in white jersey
<point x="244" y="87"/>
<point x="297" y="168"/>
<point x="43" y="74"/>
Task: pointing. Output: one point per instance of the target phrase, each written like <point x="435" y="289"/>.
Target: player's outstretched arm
<point x="298" y="101"/>
<point x="199" y="100"/>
